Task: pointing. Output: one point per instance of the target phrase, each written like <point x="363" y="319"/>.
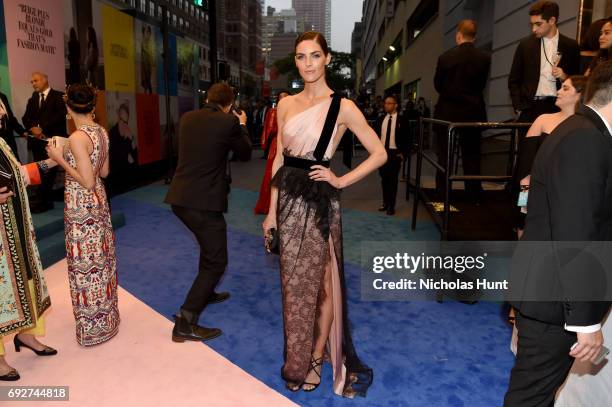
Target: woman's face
<point x="567" y="94"/>
<point x="311" y="60"/>
<point x="605" y="39"/>
<point x="124" y="116"/>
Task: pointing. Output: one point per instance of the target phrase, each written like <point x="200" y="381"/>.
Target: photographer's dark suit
<point x="460" y="79"/>
<point x="198" y="193"/>
<point x="9" y="125"/>
<point x="570" y="200"/>
<point x="50" y="116"/>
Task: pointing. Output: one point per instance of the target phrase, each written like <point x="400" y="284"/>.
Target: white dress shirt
<point x="383" y="130"/>
<point x="44" y="92"/>
<point x="591" y="328"/>
<point x="547" y="86"/>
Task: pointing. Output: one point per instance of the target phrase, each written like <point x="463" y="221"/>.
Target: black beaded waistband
<point x="302" y="163"/>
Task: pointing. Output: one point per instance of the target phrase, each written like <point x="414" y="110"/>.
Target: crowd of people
<point x="569" y="199"/>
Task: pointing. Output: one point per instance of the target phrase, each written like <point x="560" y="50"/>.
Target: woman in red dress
<point x="268" y="137"/>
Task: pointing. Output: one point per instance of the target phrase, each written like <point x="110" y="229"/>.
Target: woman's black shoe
<point x="48" y="351"/>
<point x="292" y="386"/>
<point x="11" y="376"/>
<point x="314" y="363"/>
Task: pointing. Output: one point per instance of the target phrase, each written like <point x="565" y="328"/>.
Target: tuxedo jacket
<point x="206" y="136"/>
<point x="525" y="72"/>
<point x="460" y="79"/>
<point x="10" y="124"/>
<point x="570" y="200"/>
<point x="51" y="116"/>
<point x="402" y="136"/>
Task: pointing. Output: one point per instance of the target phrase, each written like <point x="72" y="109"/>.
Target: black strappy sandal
<point x="314" y="363"/>
<point x="291" y="386"/>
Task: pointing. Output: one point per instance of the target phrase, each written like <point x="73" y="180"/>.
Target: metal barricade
<point x="449" y="170"/>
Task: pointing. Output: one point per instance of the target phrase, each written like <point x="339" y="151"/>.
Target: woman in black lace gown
<point x="305" y="208"/>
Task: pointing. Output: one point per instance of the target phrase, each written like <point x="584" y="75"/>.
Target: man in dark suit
<point x="9" y="124"/>
<point x="45" y="115"/>
<point x="198" y="195"/>
<point x="558" y="294"/>
<point x="537" y="72"/>
<point x="460" y="79"/>
<point x="393" y="133"/>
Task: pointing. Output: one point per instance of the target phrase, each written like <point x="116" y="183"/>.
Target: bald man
<point x="460" y="79"/>
<point x="45" y="115"/>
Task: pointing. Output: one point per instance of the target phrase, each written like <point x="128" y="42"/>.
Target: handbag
<point x="271" y="242"/>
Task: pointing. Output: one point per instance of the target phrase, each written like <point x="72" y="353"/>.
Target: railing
<point x="449" y="170"/>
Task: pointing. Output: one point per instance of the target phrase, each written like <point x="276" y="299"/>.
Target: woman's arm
<point x="352" y="118"/>
<point x="105" y="168"/>
<point x="32" y="173"/>
<point x="536" y="127"/>
<point x="278" y="159"/>
<point x="81" y="147"/>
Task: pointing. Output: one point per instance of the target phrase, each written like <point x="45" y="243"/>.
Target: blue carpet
<point x="422" y="353"/>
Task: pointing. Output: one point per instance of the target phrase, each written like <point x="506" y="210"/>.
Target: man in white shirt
<point x="541" y="62"/>
<point x="393" y="134"/>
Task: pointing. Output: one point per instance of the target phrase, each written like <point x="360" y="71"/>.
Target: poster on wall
<point x="160" y="63"/>
<point x="146" y="52"/>
<point x="149" y="137"/>
<point x="123" y="135"/>
<point x="186" y="67"/>
<point x="168" y="128"/>
<point x="118" y="43"/>
<point x="5" y="85"/>
<point x="34" y="42"/>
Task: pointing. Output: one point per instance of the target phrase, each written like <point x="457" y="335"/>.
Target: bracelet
<point x="43" y="167"/>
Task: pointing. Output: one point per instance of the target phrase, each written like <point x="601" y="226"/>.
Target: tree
<point x="338" y="73"/>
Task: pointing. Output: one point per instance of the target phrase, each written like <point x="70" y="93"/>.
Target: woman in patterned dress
<point x="305" y="207"/>
<point x="90" y="240"/>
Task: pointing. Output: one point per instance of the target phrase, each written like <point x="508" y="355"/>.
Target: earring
<point x="68" y="117"/>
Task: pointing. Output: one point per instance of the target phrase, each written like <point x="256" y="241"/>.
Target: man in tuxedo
<point x="393" y="133"/>
<point x="9" y="124"/>
<point x="460" y="79"/>
<point x="198" y="195"/>
<point x="537" y="72"/>
<point x="570" y="200"/>
<point x="45" y="115"/>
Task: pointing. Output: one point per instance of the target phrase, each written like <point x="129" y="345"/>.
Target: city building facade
<point x="402" y="40"/>
<point x="316" y="13"/>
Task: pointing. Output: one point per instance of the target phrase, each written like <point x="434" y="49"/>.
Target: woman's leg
<point x="325" y="317"/>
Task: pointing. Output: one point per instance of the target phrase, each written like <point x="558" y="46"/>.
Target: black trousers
<point x="542" y="363"/>
<point x="210" y="231"/>
<point x="42" y="195"/>
<point x="469" y="141"/>
<point x="389" y="174"/>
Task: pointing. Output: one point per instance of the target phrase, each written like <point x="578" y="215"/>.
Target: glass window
<point x="426" y="11"/>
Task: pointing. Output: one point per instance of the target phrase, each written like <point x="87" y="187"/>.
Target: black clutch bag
<point x="271" y="242"/>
